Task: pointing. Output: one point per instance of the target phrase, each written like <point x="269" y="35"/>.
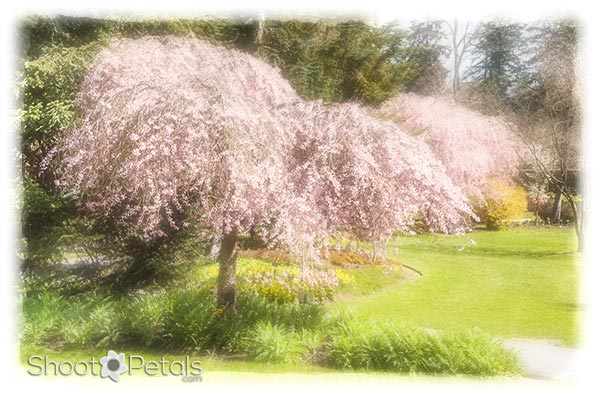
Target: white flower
<point x="113" y="365"/>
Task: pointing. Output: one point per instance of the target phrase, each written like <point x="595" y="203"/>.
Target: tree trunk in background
<point x="252" y="34"/>
<point x="260" y="30"/>
<point x="556" y="210"/>
<point x="579" y="230"/>
<point x="226" y="293"/>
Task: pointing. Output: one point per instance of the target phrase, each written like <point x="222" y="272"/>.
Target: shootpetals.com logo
<point x="114" y="365"/>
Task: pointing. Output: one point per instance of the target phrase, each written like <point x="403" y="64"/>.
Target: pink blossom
<point x="471" y="146"/>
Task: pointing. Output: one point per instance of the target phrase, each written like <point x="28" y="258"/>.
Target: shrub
<point x="280" y="283"/>
<point x="275" y="257"/>
<point x="502" y="202"/>
<point x="347" y="259"/>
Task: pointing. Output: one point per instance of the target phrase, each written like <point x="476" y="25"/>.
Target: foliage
<point x="498" y="52"/>
<point x="386" y="347"/>
<point x="280" y="286"/>
<point x="502" y="203"/>
<point x="471" y="146"/>
<point x="254" y="276"/>
<point x="263" y="331"/>
<point x="281" y="283"/>
<point x="40" y="217"/>
<point x="48" y="86"/>
<point x="173" y="318"/>
<point x="426" y="54"/>
<point x="340" y="60"/>
<point x="350" y="259"/>
<point x="275" y="344"/>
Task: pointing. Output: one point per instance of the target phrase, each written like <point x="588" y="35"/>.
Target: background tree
<point x="498" y="63"/>
<point x="549" y="114"/>
<point x="461" y="45"/>
<point x="426" y="54"/>
<point x="341" y="60"/>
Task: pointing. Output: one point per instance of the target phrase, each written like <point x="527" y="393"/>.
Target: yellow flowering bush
<point x="281" y="283"/>
<point x="502" y="203"/>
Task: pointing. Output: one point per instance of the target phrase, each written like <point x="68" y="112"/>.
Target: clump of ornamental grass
<point x="387" y="347"/>
<point x="275" y="344"/>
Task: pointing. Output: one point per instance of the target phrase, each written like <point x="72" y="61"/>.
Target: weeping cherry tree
<point x="176" y="131"/>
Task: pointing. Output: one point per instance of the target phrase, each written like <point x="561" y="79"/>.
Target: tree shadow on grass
<point x="486" y="251"/>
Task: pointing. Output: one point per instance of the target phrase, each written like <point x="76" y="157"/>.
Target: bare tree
<point x="461" y="42"/>
<point x="549" y="117"/>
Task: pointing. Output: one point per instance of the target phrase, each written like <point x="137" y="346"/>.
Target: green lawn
<point x="518" y="283"/>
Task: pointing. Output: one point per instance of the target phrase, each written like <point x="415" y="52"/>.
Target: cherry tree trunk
<point x="226" y="293"/>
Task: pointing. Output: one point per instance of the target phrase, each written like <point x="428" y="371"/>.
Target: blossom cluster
<point x="538" y="196"/>
<point x="472" y="147"/>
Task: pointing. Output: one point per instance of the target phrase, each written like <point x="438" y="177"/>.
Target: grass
<point x="518" y="283"/>
<point x="369" y="279"/>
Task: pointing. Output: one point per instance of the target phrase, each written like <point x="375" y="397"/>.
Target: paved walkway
<point x="542" y="359"/>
